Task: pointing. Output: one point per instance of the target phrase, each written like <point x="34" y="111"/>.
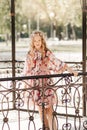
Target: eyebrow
<point x="38" y="40"/>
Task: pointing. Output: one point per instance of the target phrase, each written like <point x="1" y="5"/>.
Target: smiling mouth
<point x="37" y="46"/>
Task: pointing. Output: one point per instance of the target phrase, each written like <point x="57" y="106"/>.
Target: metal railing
<point x="67" y="89"/>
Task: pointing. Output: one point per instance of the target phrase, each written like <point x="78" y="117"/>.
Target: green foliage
<point x="59" y="12"/>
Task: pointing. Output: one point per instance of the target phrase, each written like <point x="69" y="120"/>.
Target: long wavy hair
<point x="43" y="45"/>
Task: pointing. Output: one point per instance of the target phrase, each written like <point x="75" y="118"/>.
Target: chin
<point x="38" y="49"/>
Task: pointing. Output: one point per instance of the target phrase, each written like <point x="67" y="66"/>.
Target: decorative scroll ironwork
<point x="66" y="89"/>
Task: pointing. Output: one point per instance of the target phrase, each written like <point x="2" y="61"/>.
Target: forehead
<point x="37" y="37"/>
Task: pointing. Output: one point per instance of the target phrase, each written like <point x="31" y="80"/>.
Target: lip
<point x="37" y="45"/>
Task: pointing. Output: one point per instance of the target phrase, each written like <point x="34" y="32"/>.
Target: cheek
<point x="40" y="44"/>
<point x="34" y="44"/>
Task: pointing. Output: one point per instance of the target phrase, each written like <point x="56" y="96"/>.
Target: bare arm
<point x="69" y="69"/>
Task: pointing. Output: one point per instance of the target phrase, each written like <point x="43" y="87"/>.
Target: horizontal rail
<point x="40" y="76"/>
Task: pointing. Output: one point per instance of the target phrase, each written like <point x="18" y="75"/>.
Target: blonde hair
<point x="43" y="46"/>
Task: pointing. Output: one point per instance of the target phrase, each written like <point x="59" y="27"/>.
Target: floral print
<point x="49" y="64"/>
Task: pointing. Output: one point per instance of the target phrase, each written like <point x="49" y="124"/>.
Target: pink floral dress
<point x="48" y="65"/>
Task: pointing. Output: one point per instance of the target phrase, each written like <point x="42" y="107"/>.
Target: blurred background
<point x="61" y="19"/>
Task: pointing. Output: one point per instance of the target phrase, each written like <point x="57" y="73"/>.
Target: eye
<point x="35" y="41"/>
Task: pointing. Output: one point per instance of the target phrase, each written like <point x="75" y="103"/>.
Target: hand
<point x="72" y="71"/>
<point x="75" y="73"/>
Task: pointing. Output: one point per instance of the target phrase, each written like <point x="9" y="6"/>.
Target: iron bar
<point x="13" y="41"/>
<point x="84" y="53"/>
<point x="40" y="76"/>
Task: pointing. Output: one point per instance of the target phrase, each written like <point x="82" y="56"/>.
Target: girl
<point x="41" y="61"/>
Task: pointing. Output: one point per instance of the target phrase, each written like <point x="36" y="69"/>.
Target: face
<point x="37" y="42"/>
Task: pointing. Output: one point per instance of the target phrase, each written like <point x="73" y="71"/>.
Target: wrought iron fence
<point x="6" y="67"/>
<point x="16" y="103"/>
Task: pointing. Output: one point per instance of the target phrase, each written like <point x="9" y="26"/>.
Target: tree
<point x="42" y="12"/>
